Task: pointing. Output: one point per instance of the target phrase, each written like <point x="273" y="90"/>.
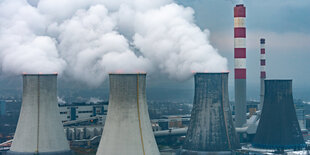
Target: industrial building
<point x="39" y="129"/>
<point x="171" y="122"/>
<point x="83" y="132"/>
<point x="2" y="108"/>
<point x="128" y="128"/>
<point x="211" y="128"/>
<point x="83" y="110"/>
<point x="300" y="113"/>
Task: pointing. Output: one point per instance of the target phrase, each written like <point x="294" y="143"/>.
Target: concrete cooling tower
<point x="39" y="129"/>
<point x="127" y="130"/>
<point x="278" y="127"/>
<point x="211" y="129"/>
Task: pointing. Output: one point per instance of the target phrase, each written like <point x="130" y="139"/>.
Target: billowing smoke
<point x="24" y="47"/>
<point x="88" y="39"/>
<point x="174" y="44"/>
<point x="94" y="100"/>
<point x="60" y="100"/>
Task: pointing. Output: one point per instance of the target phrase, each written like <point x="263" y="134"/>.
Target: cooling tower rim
<point x="52" y="74"/>
<point x="207" y="73"/>
<point x="279" y="80"/>
<point x="127" y="73"/>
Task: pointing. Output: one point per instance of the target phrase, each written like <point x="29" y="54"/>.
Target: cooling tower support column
<point x="240" y="65"/>
<point x="278" y="127"/>
<point x="39" y="129"/>
<point x="211" y="129"/>
<point x="128" y="128"/>
<point x="262" y="72"/>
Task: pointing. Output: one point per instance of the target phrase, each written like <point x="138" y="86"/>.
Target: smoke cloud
<point x="86" y="40"/>
<point x="23" y="45"/>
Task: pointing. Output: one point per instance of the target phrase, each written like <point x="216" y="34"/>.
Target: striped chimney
<point x="240" y="64"/>
<point x="262" y="72"/>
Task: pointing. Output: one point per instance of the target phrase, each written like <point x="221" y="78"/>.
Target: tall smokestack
<point x="128" y="128"/>
<point x="262" y="72"/>
<point x="240" y="64"/>
<point x="211" y="128"/>
<point x="39" y="129"/>
<point x="278" y="127"/>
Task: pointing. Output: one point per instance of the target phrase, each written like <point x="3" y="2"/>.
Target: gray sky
<point x="285" y="25"/>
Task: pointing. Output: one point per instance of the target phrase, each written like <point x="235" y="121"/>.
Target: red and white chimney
<point x="262" y="72"/>
<point x="240" y="64"/>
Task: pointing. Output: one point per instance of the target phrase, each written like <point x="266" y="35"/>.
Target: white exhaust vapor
<point x="88" y="39"/>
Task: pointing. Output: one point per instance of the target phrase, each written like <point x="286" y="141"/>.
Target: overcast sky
<point x="284" y="23"/>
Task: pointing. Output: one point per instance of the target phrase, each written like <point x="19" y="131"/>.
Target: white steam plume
<point x="23" y="45"/>
<point x="92" y="47"/>
<point x="88" y="39"/>
<point x="175" y="44"/>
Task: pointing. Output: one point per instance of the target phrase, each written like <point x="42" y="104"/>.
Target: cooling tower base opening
<point x="41" y="153"/>
<point x="191" y="152"/>
<point x="280" y="147"/>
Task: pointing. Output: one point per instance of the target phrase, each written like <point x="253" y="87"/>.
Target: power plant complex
<point x="127" y="128"/>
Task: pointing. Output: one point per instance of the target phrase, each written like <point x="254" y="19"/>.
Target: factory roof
<point x="83" y="104"/>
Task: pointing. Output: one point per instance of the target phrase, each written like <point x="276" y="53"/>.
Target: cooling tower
<point x="240" y="64"/>
<point x="39" y="129"/>
<point x="211" y="129"/>
<point x="262" y="72"/>
<point x="128" y="128"/>
<point x="278" y="127"/>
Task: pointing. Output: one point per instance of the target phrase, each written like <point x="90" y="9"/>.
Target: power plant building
<point x="128" y="128"/>
<point x="278" y="127"/>
<point x="83" y="110"/>
<point x="2" y="107"/>
<point x="39" y="129"/>
<point x="240" y="64"/>
<point x="211" y="128"/>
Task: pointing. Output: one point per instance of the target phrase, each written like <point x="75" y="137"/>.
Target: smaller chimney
<point x="262" y="72"/>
